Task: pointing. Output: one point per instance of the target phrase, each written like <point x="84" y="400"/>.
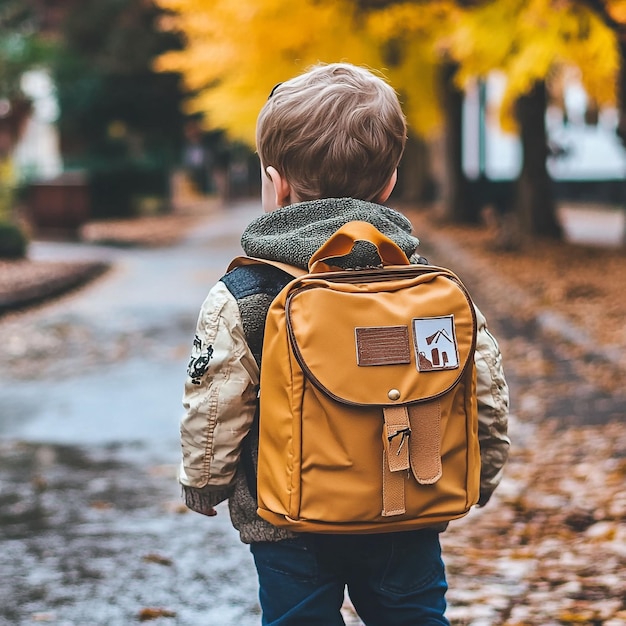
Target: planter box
<point x="61" y="205"/>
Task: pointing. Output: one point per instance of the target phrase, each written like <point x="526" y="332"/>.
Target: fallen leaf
<point x="101" y="505"/>
<point x="154" y="613"/>
<point x="157" y="558"/>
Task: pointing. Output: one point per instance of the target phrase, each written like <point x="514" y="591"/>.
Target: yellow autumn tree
<point x="235" y="52"/>
<point x="613" y="13"/>
<point x="413" y="39"/>
<point x="529" y="40"/>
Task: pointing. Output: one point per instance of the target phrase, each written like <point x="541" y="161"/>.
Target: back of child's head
<point x="335" y="131"/>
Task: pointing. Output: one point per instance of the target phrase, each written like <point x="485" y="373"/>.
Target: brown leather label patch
<point x="382" y="345"/>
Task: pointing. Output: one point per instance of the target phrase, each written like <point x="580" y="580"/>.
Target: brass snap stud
<point x="393" y="394"/>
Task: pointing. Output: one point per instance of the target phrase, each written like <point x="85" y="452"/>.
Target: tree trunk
<point x="415" y="178"/>
<point x="621" y="92"/>
<point x="457" y="200"/>
<point x="535" y="206"/>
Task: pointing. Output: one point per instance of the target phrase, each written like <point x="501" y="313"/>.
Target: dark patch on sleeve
<point x="255" y="287"/>
<point x="199" y="362"/>
<point x="249" y="280"/>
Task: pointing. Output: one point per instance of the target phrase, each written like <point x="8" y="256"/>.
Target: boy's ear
<point x="281" y="186"/>
<point x="386" y="192"/>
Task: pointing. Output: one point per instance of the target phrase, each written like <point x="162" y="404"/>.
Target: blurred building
<point x="36" y="155"/>
<point x="587" y="159"/>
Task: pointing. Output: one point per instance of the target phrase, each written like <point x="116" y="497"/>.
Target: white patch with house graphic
<point x="435" y="343"/>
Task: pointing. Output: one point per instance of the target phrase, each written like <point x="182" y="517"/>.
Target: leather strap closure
<point x="425" y="442"/>
<point x="412" y="440"/>
<point x="396" y="437"/>
<point x="393" y="490"/>
<point x="397" y="434"/>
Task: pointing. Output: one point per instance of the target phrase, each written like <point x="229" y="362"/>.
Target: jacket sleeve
<point x="219" y="400"/>
<point x="493" y="409"/>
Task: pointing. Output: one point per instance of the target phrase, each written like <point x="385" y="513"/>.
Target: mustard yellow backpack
<point x="368" y="419"/>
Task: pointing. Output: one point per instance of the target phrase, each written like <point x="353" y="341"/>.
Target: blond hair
<point x="335" y="131"/>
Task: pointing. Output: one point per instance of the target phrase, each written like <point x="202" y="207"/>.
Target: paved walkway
<point x="91" y="528"/>
<point x="594" y="225"/>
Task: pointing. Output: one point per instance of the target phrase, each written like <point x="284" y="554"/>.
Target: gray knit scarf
<point x="292" y="234"/>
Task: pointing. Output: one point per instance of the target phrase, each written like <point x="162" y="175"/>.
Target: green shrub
<point x="13" y="242"/>
<point x="116" y="187"/>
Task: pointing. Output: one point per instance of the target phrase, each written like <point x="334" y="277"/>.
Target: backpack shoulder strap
<point x="292" y="270"/>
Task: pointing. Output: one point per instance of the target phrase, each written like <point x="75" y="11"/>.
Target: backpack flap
<point x="396" y="341"/>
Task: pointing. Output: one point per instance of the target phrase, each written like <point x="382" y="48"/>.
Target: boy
<point x="329" y="142"/>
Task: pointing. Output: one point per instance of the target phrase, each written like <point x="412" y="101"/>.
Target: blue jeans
<point x="393" y="579"/>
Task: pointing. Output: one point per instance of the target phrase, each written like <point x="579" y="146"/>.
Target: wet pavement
<point x="91" y="526"/>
